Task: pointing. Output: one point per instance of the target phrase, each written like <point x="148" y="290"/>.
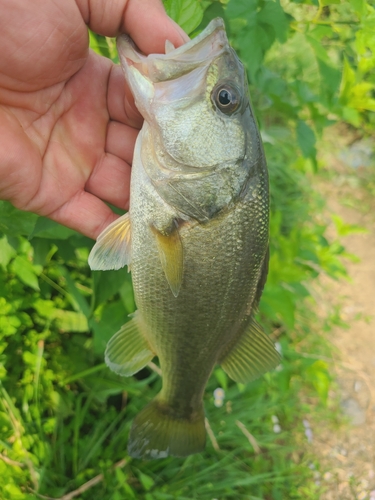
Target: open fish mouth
<point x="199" y="51"/>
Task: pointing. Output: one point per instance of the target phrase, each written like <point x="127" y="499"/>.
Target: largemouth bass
<point x="195" y="236"/>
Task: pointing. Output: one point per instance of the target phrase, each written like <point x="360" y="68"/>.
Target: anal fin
<point x="253" y="355"/>
<point x="128" y="351"/>
<point x="112" y="248"/>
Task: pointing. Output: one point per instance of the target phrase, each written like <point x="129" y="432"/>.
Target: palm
<point x="66" y="127"/>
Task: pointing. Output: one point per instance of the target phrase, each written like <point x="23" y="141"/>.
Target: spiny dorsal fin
<point x="253" y="355"/>
<point x="112" y="248"/>
<point x="171" y="256"/>
<point x="169" y="46"/>
<point x="128" y="351"/>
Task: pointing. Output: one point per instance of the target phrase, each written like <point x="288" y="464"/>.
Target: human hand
<point x="68" y="122"/>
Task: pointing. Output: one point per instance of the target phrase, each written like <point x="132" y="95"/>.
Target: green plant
<point x="64" y="417"/>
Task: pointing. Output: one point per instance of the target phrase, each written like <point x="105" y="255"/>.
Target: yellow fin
<point x="171" y="256"/>
<point x="112" y="248"/>
<point x="157" y="433"/>
<point x="253" y="355"/>
<point x="128" y="351"/>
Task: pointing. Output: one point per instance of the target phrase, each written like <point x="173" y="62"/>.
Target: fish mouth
<point x="199" y="51"/>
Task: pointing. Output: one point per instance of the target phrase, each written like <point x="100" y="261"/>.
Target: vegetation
<point x="65" y="418"/>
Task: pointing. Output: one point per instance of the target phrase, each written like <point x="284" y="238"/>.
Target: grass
<point x="65" y="418"/>
<point x="67" y="433"/>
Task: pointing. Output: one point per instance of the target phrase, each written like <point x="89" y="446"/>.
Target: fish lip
<point x="206" y="46"/>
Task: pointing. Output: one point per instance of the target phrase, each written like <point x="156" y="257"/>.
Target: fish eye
<point x="226" y="98"/>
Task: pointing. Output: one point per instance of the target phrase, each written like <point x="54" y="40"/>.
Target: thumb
<point x="149" y="26"/>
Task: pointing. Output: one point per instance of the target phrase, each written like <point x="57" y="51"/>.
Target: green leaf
<point x="188" y="13"/>
<point x="222" y="378"/>
<point x="347" y="82"/>
<point x="330" y="79"/>
<point x="278" y="304"/>
<point x="345" y="229"/>
<point x="241" y="8"/>
<point x="215" y="9"/>
<point x="273" y="15"/>
<point x="15" y="222"/>
<point x="127" y="296"/>
<point x="70" y="321"/>
<point x="99" y="44"/>
<point x="259" y="24"/>
<point x="319" y="50"/>
<point x="146" y="481"/>
<point x="258" y="39"/>
<point x="330" y="76"/>
<point x="351" y="116"/>
<point x="45" y="308"/>
<point x="356" y="94"/>
<point x="359" y="6"/>
<point x="125" y="486"/>
<point x="323" y="3"/>
<point x="306" y="139"/>
<point x="25" y="271"/>
<point x="360" y="100"/>
<point x="77" y="300"/>
<point x="47" y="228"/>
<point x="6" y="252"/>
<point x="173" y="8"/>
<point x="318" y="375"/>
<point x="43" y="250"/>
<point x="9" y="325"/>
<point x="190" y="16"/>
<point x="107" y="283"/>
<point x="12" y="491"/>
<point x="113" y="317"/>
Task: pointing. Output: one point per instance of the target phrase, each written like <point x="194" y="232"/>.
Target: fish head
<point x="194" y="99"/>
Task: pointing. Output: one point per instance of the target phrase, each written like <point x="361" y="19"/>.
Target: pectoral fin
<point x="112" y="248"/>
<point x="171" y="256"/>
<point x="253" y="355"/>
<point x="128" y="351"/>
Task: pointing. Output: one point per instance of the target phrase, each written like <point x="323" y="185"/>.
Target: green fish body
<point x="195" y="237"/>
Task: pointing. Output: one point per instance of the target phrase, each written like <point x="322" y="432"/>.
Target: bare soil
<point x="347" y="455"/>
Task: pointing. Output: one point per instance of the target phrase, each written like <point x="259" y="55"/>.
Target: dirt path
<point x="348" y="455"/>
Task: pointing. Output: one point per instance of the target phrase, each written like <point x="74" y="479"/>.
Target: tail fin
<point x="158" y="433"/>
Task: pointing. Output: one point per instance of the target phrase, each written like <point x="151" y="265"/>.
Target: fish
<point x="196" y="236"/>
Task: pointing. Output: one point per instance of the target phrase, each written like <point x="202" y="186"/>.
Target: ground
<point x="347" y="454"/>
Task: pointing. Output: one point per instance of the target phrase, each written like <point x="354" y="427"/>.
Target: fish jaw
<point x="144" y="72"/>
<point x="162" y="67"/>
